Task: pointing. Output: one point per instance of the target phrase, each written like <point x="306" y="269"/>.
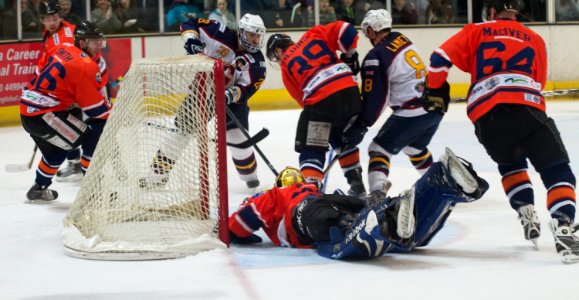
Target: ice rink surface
<point x="479" y="254"/>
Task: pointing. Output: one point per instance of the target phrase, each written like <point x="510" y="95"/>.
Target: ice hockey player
<point x="69" y="77"/>
<point x="56" y="32"/>
<point x="508" y="66"/>
<point x="241" y="51"/>
<point x="295" y="214"/>
<point x="393" y="74"/>
<point x="325" y="87"/>
<point x="74" y="169"/>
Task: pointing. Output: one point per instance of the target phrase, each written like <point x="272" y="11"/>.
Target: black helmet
<point x="49" y="7"/>
<point x="499" y="5"/>
<point x="278" y="40"/>
<point x="86" y="30"/>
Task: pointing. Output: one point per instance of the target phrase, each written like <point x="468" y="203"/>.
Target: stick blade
<point x="11" y="168"/>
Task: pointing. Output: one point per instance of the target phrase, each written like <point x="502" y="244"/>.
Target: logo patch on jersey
<point x="491" y="83"/>
<point x="419" y="87"/>
<point x="67" y="32"/>
<point x="98" y="77"/>
<point x="515" y="80"/>
<point x="532" y="98"/>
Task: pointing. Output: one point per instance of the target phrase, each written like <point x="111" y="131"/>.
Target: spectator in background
<point x="439" y="12"/>
<point x="532" y="11"/>
<point x="179" y="12"/>
<point x="327" y="13"/>
<point x="282" y="15"/>
<point x="30" y="18"/>
<point x="127" y="13"/>
<point x="346" y="11"/>
<point x="222" y="15"/>
<point x="566" y="10"/>
<point x="362" y="7"/>
<point x="148" y="20"/>
<point x="104" y="18"/>
<point x="404" y="12"/>
<point x="67" y="13"/>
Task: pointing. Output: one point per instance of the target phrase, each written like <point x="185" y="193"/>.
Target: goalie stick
<point x="238" y="124"/>
<point x="22" y="167"/>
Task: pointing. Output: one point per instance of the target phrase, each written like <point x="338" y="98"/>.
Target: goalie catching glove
<point x="437" y="99"/>
<point x="352" y="61"/>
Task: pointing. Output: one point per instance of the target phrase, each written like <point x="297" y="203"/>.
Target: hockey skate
<point x="530" y="222"/>
<point x="159" y="174"/>
<point x="566" y="242"/>
<point x="70" y="173"/>
<point x="37" y="194"/>
<point x="463" y="174"/>
<point x="376" y="196"/>
<point x="252" y="184"/>
<point x="354" y="178"/>
<point x="153" y="181"/>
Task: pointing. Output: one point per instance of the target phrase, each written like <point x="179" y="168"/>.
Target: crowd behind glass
<point x="150" y="16"/>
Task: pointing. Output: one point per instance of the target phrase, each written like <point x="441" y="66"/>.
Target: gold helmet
<point x="289" y="176"/>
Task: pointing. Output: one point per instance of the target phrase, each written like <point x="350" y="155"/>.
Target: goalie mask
<point x="289" y="176"/>
<point x="251" y="33"/>
<point x="498" y="5"/>
<point x="377" y="19"/>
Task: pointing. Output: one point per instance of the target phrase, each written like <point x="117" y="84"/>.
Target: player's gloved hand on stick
<point x="252" y="239"/>
<point x="232" y="95"/>
<point x="437" y="99"/>
<point x="352" y="61"/>
<point x="193" y="46"/>
<point x="355" y="134"/>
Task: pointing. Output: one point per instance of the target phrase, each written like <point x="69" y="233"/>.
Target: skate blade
<point x="535" y="243"/>
<point x="406" y="223"/>
<point x="39" y="201"/>
<point x="71" y="178"/>
<point x="569" y="258"/>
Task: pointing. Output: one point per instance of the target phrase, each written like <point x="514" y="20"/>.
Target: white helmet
<point x="254" y="24"/>
<point x="377" y="19"/>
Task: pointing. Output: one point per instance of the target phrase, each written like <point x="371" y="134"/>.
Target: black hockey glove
<point x="193" y="46"/>
<point x="352" y="61"/>
<point x="252" y="239"/>
<point x="437" y="99"/>
<point x="354" y="135"/>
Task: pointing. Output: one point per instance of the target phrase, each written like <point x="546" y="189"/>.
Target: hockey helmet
<point x="278" y="40"/>
<point x="87" y="30"/>
<point x="377" y="19"/>
<point x="251" y="24"/>
<point x="50" y="7"/>
<point x="499" y="5"/>
<point x="289" y="176"/>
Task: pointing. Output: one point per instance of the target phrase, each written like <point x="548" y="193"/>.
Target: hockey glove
<point x="193" y="46"/>
<point x="437" y="99"/>
<point x="232" y="95"/>
<point x="354" y="135"/>
<point x="352" y="61"/>
<point x="252" y="239"/>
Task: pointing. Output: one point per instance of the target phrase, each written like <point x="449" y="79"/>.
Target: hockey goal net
<point x="157" y="184"/>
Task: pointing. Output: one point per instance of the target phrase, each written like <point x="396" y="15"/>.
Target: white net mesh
<point x="156" y="186"/>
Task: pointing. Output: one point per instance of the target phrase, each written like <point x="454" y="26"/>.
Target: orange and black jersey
<point x="69" y="76"/>
<point x="507" y="62"/>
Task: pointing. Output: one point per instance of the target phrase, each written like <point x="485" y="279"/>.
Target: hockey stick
<point x="22" y="167"/>
<point x="258" y="137"/>
<point x="238" y="124"/>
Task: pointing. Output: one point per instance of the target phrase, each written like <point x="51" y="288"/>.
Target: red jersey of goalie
<point x="311" y="70"/>
<point x="272" y="211"/>
<point x="69" y="76"/>
<point x="506" y="60"/>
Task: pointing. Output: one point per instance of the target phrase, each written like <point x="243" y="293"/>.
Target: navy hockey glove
<point x="354" y="135"/>
<point x="352" y="61"/>
<point x="232" y="95"/>
<point x="252" y="239"/>
<point x="193" y="46"/>
<point x="437" y="99"/>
